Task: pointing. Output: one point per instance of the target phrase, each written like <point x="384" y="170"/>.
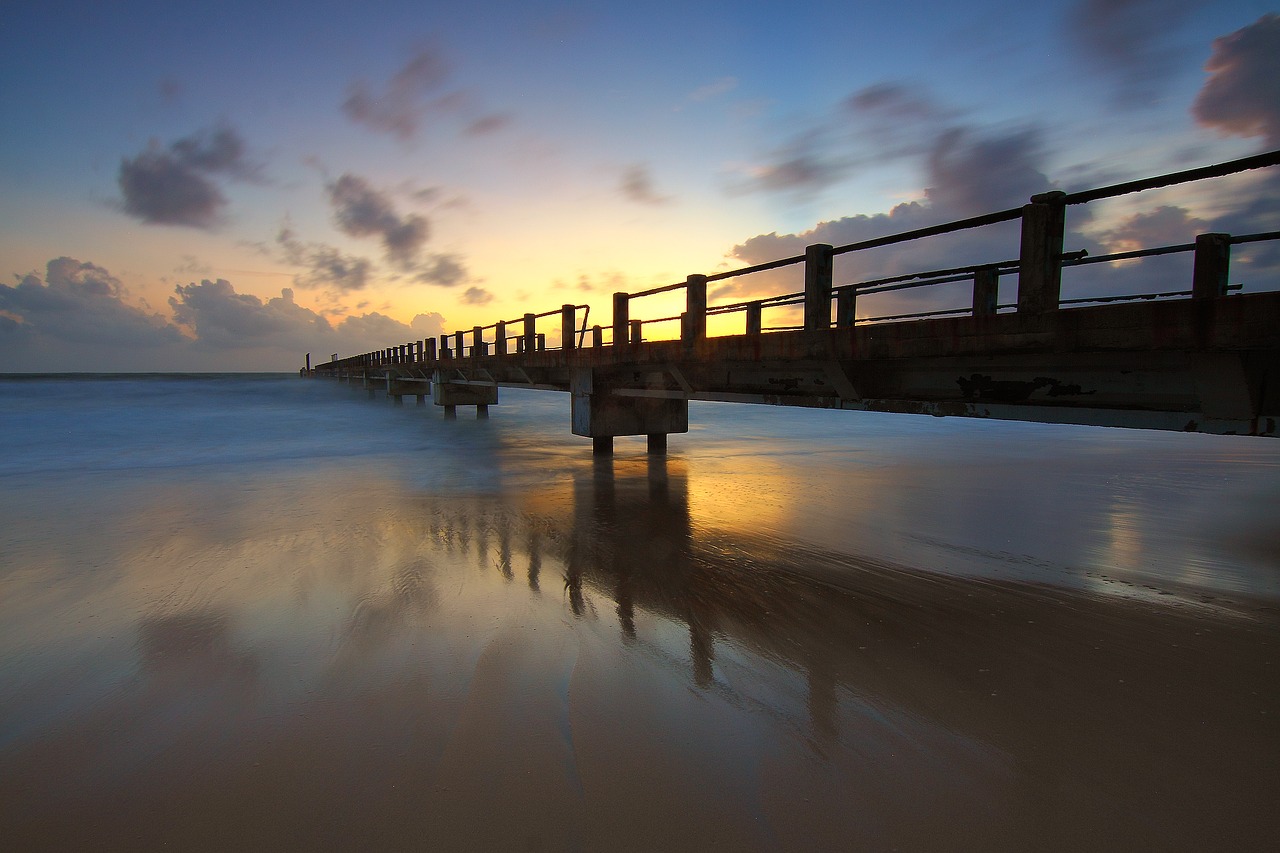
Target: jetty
<point x="1200" y="355"/>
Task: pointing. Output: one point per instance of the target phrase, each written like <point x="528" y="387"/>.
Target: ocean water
<point x="266" y="611"/>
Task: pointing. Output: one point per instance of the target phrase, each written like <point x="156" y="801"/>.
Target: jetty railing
<point x="1038" y="267"/>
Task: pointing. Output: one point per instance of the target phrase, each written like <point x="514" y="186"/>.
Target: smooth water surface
<point x="268" y="613"/>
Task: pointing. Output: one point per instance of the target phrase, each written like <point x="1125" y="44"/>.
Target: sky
<point x="223" y="186"/>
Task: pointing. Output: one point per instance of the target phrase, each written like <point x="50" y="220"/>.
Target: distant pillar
<point x="1040" y="258"/>
<point x="308" y="364"/>
<point x="621" y="318"/>
<point x="986" y="289"/>
<point x="817" y="286"/>
<point x="1212" y="265"/>
<point x="568" y="326"/>
<point x="694" y="327"/>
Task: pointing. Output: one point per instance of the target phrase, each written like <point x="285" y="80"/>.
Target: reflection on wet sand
<point x="589" y="667"/>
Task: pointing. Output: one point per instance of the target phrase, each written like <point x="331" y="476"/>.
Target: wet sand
<point x="596" y="664"/>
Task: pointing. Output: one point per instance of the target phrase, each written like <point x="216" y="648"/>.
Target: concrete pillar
<point x="1040" y="258"/>
<point x="755" y="318"/>
<point x="568" y="326"/>
<point x="1212" y="265"/>
<point x="530" y="333"/>
<point x="500" y="338"/>
<point x="602" y="445"/>
<point x="621" y="318"/>
<point x="818" y="264"/>
<point x="308" y="364"/>
<point x="694" y="325"/>
<point x="846" y="308"/>
<point x="657" y="442"/>
<point x="986" y="290"/>
<point x="482" y="411"/>
<point x="450" y="412"/>
<point x="596" y="413"/>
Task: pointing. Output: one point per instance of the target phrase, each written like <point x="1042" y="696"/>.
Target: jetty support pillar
<point x="453" y="394"/>
<point x="601" y="414"/>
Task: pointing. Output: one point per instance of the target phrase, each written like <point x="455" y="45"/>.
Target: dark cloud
<point x="637" y="186"/>
<point x="871" y="127"/>
<point x="1129" y="40"/>
<point x="476" y="296"/>
<point x="444" y="270"/>
<point x="971" y="174"/>
<point x="362" y="211"/>
<point x="1242" y="95"/>
<point x="326" y="266"/>
<point x="488" y="124"/>
<point x="179" y="185"/>
<point x="401" y="105"/>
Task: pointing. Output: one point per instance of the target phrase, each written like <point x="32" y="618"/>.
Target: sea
<point x="262" y="611"/>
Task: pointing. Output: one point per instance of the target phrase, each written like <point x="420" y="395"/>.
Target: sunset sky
<point x="227" y="186"/>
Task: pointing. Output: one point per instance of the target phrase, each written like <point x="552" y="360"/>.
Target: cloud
<point x="1128" y="39"/>
<point x="487" y="124"/>
<point x="1242" y="95"/>
<point x="970" y="174"/>
<point x="401" y="105"/>
<point x="79" y="302"/>
<point x="476" y="296"/>
<point x="1165" y="226"/>
<point x="876" y="124"/>
<point x="444" y="270"/>
<point x="180" y="185"/>
<point x="326" y="265"/>
<point x="713" y="89"/>
<point x="637" y="186"/>
<point x="77" y="317"/>
<point x="362" y="211"/>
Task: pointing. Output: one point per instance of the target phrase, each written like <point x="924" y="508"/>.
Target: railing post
<point x="477" y="342"/>
<point x="621" y="317"/>
<point x="460" y="344"/>
<point x="986" y="288"/>
<point x="1212" y="264"/>
<point x="568" y="326"/>
<point x="1040" y="259"/>
<point x="755" y="318"/>
<point x="694" y="326"/>
<point x="597" y="336"/>
<point x="846" y="307"/>
<point x="637" y="331"/>
<point x="500" y="338"/>
<point x="542" y="341"/>
<point x="530" y="333"/>
<point x="817" y="286"/>
<point x="430" y="352"/>
<point x="444" y="347"/>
